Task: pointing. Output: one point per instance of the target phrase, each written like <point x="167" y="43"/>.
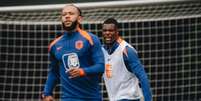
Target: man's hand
<point x="75" y="72"/>
<point x="47" y="98"/>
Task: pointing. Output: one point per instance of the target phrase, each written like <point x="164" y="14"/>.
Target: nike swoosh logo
<point x="59" y="48"/>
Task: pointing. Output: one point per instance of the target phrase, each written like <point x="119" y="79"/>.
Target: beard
<point x="71" y="27"/>
<point x="108" y="41"/>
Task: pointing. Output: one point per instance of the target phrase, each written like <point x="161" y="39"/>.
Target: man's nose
<point x="67" y="15"/>
<point x="107" y="32"/>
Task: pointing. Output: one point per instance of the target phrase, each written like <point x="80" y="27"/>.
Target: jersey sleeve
<point x="134" y="65"/>
<point x="97" y="58"/>
<point x="53" y="74"/>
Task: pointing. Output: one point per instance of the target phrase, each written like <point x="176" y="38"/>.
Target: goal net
<point x="166" y="34"/>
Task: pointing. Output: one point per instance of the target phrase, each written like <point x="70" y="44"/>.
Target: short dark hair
<point x="111" y="21"/>
<point x="79" y="10"/>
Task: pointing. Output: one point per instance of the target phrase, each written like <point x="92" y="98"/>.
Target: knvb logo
<point x="79" y="44"/>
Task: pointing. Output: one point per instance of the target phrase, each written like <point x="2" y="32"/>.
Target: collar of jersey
<point x="70" y="35"/>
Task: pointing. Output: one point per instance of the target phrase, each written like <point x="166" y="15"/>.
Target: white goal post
<point x="88" y="5"/>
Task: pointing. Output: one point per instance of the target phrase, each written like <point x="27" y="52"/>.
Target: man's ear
<point x="80" y="19"/>
<point x="60" y="18"/>
<point x="117" y="32"/>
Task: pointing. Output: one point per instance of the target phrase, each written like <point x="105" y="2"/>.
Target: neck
<point x="72" y="31"/>
<point x="109" y="45"/>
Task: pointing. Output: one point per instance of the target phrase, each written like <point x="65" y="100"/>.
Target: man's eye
<point x="71" y="13"/>
<point x="63" y="14"/>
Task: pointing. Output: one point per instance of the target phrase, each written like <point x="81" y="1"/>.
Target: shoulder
<point x="95" y="39"/>
<point x="54" y="42"/>
<point x="92" y="38"/>
<point x="129" y="49"/>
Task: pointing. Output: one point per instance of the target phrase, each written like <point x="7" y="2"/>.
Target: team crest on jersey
<point x="79" y="44"/>
<point x="70" y="60"/>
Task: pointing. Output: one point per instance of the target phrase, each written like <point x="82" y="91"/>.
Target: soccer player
<point x="123" y="69"/>
<point x="76" y="61"/>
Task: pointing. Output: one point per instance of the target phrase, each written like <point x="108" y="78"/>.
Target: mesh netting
<point x="167" y="37"/>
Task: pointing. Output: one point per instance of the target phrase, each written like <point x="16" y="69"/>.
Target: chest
<point x="78" y="46"/>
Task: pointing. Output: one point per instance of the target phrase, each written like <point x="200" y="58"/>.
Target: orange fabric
<point x="82" y="32"/>
<point x="86" y="35"/>
<point x="82" y="73"/>
<point x="119" y="40"/>
<point x="53" y="42"/>
<point x="108" y="70"/>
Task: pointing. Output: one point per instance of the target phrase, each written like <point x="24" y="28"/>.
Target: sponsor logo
<point x="70" y="60"/>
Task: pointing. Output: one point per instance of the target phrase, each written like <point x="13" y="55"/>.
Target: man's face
<point x="70" y="17"/>
<point x="110" y="33"/>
